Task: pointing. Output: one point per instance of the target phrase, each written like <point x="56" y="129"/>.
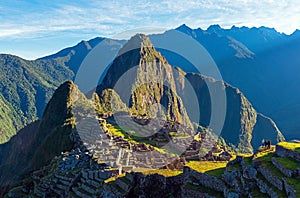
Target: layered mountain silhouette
<point x="261" y="62"/>
<point x="138" y="79"/>
<point x="143" y="78"/>
<point x="256" y="60"/>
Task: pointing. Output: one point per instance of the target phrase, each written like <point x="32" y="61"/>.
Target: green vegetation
<point x="164" y="172"/>
<point x="218" y="172"/>
<point x="266" y="162"/>
<point x="109" y="102"/>
<point x="10" y="120"/>
<point x="288" y="163"/>
<point x="26" y="87"/>
<point x="203" y="189"/>
<point x="212" y="168"/>
<point x="117" y="131"/>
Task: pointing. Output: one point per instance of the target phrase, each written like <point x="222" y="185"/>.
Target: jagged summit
<point x="214" y="27"/>
<point x="141" y="43"/>
<point x="142" y="77"/>
<point x="136" y="51"/>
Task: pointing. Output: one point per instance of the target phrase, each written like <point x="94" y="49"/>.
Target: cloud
<point x="109" y="17"/>
<point x="82" y="19"/>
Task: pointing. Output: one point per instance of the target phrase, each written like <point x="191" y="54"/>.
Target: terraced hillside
<point x="270" y="172"/>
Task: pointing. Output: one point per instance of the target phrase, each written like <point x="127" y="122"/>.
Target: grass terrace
<point x="117" y="131"/>
<point x="266" y="162"/>
<point x="164" y="172"/>
<point x="213" y="168"/>
<point x="111" y="179"/>
<point x="288" y="163"/>
<point x="264" y="152"/>
<point x="290" y="145"/>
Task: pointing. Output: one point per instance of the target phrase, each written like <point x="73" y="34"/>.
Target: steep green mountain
<point x="143" y="78"/>
<point x="26" y="87"/>
<point x="9" y="120"/>
<point x="251" y="59"/>
<point x="36" y="144"/>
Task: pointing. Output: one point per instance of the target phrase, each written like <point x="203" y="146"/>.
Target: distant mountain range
<point x="39" y="142"/>
<point x="261" y="62"/>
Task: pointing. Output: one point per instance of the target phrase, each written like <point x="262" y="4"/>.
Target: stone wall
<point x="282" y="169"/>
<point x="264" y="188"/>
<point x="283" y="152"/>
<point x="270" y="177"/>
<point x="289" y="190"/>
<point x="204" y="179"/>
<point x="285" y="171"/>
<point x="280" y="183"/>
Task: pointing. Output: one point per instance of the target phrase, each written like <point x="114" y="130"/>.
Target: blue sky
<point x="32" y="28"/>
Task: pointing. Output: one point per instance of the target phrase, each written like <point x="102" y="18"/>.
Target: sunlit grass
<point x="266" y="162"/>
<point x="111" y="179"/>
<point x="164" y="172"/>
<point x="290" y="145"/>
<point x="210" y="167"/>
<point x="117" y="131"/>
<point x="264" y="152"/>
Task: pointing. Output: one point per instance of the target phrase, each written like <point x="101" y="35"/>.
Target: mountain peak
<point x="184" y="28"/>
<point x="151" y="80"/>
<point x="296" y="33"/>
<point x="141" y="37"/>
<point x="138" y="41"/>
<point x="215" y="27"/>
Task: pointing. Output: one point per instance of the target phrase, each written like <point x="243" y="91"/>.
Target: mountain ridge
<point x="230" y="67"/>
<point x="39" y="142"/>
<point x="153" y="81"/>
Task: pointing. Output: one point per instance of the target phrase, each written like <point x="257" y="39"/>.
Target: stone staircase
<point x="90" y="183"/>
<point x="63" y="184"/>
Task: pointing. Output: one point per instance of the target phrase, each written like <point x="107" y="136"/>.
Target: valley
<point x="150" y="127"/>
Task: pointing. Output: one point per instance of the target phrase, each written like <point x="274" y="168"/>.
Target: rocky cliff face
<point x="145" y="82"/>
<point x="143" y="78"/>
<point x="242" y="121"/>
